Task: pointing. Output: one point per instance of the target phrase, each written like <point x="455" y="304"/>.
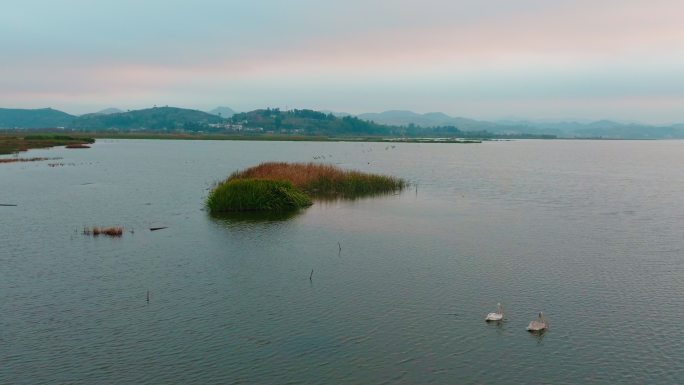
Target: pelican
<point x="538" y="325"/>
<point x="497" y="316"/>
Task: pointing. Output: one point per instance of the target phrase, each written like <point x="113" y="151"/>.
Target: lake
<point x="590" y="232"/>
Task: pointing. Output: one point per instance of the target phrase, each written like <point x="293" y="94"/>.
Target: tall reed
<point x="323" y="179"/>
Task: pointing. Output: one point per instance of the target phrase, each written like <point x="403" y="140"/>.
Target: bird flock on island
<point x="536" y="326"/>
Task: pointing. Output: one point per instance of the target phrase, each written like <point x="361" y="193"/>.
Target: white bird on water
<point x="497" y="316"/>
<point x="538" y="325"/>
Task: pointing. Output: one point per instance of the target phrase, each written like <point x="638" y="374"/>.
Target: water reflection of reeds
<point x="331" y="198"/>
<point x="255" y="216"/>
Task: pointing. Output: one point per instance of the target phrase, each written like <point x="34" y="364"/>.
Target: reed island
<point x="10" y="143"/>
<point x="279" y="186"/>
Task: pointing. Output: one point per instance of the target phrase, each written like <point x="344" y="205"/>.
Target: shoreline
<point x="14" y="141"/>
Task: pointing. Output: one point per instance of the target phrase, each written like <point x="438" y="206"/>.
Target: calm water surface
<point x="590" y="232"/>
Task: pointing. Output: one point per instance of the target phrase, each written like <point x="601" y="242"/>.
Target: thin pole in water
<point x="311" y="275"/>
<point x="148" y="296"/>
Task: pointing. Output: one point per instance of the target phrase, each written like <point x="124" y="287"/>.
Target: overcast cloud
<point x="484" y="59"/>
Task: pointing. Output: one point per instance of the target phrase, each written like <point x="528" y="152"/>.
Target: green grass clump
<point x="237" y="195"/>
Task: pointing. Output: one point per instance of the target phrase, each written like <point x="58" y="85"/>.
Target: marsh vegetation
<point x="16" y="143"/>
<point x="279" y="186"/>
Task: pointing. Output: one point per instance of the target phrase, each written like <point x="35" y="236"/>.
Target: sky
<point x="483" y="59"/>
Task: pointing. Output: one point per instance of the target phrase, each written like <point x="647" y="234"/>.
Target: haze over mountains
<point x="108" y="111"/>
<point x="602" y="128"/>
<point x="225" y="112"/>
<point x="171" y="118"/>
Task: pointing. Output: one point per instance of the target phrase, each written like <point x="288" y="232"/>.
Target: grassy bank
<point x="10" y="143"/>
<point x="277" y="186"/>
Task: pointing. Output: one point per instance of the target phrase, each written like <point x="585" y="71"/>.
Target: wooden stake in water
<point x="340" y="246"/>
<point x="148" y="296"/>
<point x="311" y="275"/>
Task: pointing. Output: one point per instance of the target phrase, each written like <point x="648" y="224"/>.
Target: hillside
<point x="37" y="118"/>
<point x="309" y="122"/>
<point x="157" y="118"/>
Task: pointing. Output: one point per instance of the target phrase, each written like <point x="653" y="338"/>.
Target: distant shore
<point x="279" y="138"/>
<point x="13" y="140"/>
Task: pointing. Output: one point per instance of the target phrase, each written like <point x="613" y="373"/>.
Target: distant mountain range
<point x="395" y="122"/>
<point x="430" y="119"/>
<point x="610" y="129"/>
<point x="603" y="128"/>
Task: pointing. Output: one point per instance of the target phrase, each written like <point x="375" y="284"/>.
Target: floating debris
<point x="8" y="205"/>
<point x="109" y="231"/>
<point x="77" y="145"/>
<point x="158" y="228"/>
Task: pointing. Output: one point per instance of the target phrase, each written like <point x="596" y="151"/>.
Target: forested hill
<point x="37" y="118"/>
<point x="151" y="119"/>
<point x="310" y="122"/>
<point x="307" y="122"/>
